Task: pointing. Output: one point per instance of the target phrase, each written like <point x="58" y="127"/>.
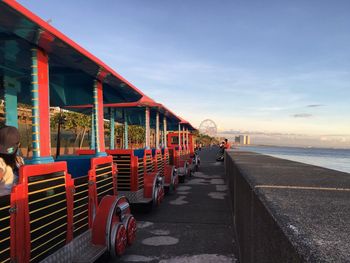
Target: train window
<point x="175" y="140"/>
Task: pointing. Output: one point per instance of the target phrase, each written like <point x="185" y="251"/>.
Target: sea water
<point x="336" y="159"/>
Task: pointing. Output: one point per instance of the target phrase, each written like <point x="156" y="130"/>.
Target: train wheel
<point x="155" y="196"/>
<point x="172" y="186"/>
<point x="160" y="195"/>
<point x="131" y="228"/>
<point x="118" y="240"/>
<point x="175" y="182"/>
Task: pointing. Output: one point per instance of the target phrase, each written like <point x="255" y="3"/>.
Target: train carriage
<point x="145" y="112"/>
<point x="181" y="149"/>
<point x="65" y="209"/>
<point x="141" y="181"/>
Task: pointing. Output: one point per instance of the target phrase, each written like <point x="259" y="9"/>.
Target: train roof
<point x="73" y="69"/>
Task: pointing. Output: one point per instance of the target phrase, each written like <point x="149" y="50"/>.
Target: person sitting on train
<point x="10" y="161"/>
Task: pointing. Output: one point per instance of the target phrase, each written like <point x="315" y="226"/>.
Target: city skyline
<point x="271" y="67"/>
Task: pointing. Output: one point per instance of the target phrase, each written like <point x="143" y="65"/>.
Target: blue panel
<point x="77" y="165"/>
<point x="153" y="151"/>
<point x="162" y="150"/>
<point x="139" y="153"/>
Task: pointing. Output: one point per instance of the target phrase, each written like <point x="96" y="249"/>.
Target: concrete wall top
<point x="310" y="204"/>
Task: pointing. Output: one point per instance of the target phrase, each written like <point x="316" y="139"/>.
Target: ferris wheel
<point x="208" y="127"/>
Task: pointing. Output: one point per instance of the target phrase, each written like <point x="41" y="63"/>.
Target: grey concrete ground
<point x="192" y="225"/>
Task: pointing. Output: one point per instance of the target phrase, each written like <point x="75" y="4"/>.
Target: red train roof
<point x="29" y="30"/>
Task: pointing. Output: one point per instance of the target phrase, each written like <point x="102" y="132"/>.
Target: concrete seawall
<point x="286" y="211"/>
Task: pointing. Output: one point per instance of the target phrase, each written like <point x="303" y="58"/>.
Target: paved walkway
<point x="192" y="225"/>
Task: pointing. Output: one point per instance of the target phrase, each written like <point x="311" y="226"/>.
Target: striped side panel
<point x="149" y="163"/>
<point x="47" y="214"/>
<point x="123" y="162"/>
<point x="167" y="159"/>
<point x="171" y="157"/>
<point x="104" y="180"/>
<point x="160" y="164"/>
<point x="5" y="230"/>
<point x="140" y="172"/>
<point x="81" y="205"/>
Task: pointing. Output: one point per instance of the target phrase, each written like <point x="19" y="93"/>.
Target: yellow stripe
<point x="4" y="218"/>
<point x="81" y="185"/>
<point x="105" y="185"/>
<point x="81" y="219"/>
<point x="6" y="249"/>
<point x="46" y="233"/>
<point x="99" y="194"/>
<point x="107" y="167"/>
<point x="78" y="200"/>
<point x="77" y="207"/>
<point x="36" y="210"/>
<point x="80" y="227"/>
<point x="5" y="239"/>
<point x="48" y="197"/>
<point x="45" y="216"/>
<point x="5" y="207"/>
<point x="45" y="189"/>
<point x="48" y="224"/>
<point x="102" y="175"/>
<point x="81" y="192"/>
<point x="4" y="229"/>
<point x="82" y="212"/>
<point x="47" y="180"/>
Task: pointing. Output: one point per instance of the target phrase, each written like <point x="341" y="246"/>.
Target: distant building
<point x="242" y="139"/>
<point x="237" y="139"/>
<point x="247" y="139"/>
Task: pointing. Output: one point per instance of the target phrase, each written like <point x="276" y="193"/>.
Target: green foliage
<point x="77" y="123"/>
<point x="136" y="134"/>
<point x="73" y="121"/>
<point x="204" y="139"/>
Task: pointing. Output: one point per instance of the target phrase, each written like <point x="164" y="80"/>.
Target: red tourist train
<point x="70" y="208"/>
<point x="182" y="149"/>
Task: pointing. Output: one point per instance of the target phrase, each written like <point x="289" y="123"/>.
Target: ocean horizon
<point x="331" y="158"/>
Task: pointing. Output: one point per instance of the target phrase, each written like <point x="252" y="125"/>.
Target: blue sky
<point x="260" y="66"/>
